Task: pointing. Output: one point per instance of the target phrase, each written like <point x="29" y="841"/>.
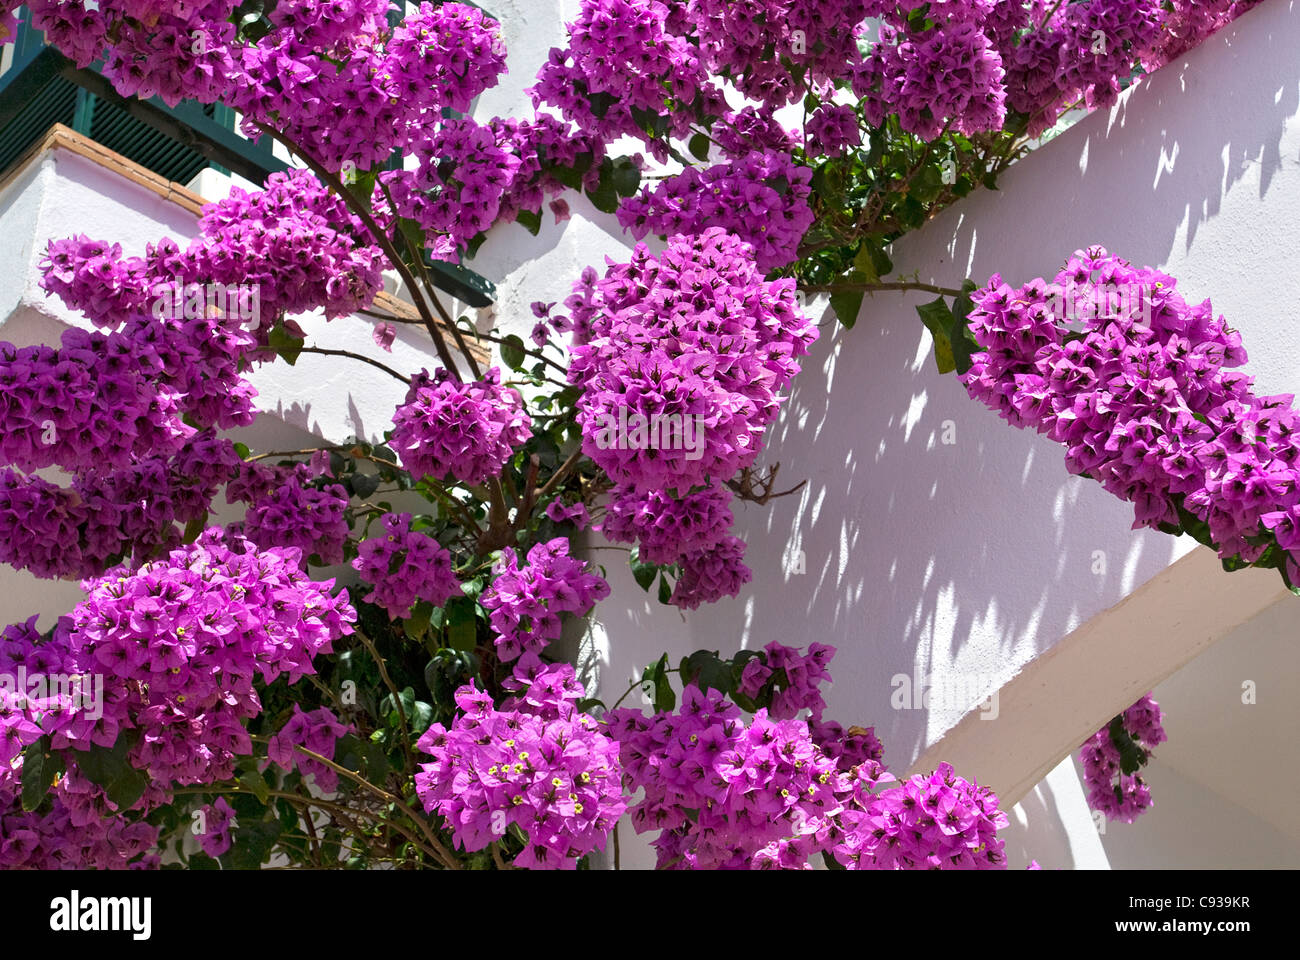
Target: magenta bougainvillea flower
<point x="462" y="431"/>
<point x="525" y="603"/>
<point x="1119" y="795"/>
<point x="404" y="567"/>
<point x="535" y="762"/>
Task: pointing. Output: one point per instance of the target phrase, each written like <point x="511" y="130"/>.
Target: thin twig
<point x="356" y="356"/>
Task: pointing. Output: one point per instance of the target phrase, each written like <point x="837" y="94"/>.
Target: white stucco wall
<point x="946" y="562"/>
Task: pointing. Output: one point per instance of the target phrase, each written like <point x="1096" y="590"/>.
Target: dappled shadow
<point x="937" y="540"/>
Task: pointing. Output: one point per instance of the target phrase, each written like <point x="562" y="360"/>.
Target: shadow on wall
<point x="936" y="542"/>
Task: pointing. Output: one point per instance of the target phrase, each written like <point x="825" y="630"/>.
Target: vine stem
<point x="874" y="287"/>
<point x="635" y="684"/>
<point x="448" y="860"/>
<point x="397" y="697"/>
<point x="379" y="235"/>
<point x="356" y="356"/>
<point x="418" y="257"/>
<point x="558" y="475"/>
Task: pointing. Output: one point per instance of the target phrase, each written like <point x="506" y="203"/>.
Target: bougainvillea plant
<point x="240" y="721"/>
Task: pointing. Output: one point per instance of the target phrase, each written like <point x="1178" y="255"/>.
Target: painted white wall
<point x="946" y="561"/>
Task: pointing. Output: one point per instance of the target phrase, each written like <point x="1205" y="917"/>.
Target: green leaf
<point x="699" y="146"/>
<point x="242" y="451"/>
<point x="194" y="528"/>
<point x="938" y="320"/>
<point x="420" y="717"/>
<point x="1131" y="756"/>
<point x="253" y="843"/>
<point x="643" y="573"/>
<point x="964" y="344"/>
<point x="36" y="782"/>
<point x="572" y="176"/>
<point x="928" y="185"/>
<point x="707" y="670"/>
<point x="285" y="344"/>
<point x="865" y="263"/>
<point x="253" y="781"/>
<point x="103" y="765"/>
<point x="884" y="266"/>
<point x="604" y="197"/>
<point x="665" y="589"/>
<point x="460" y="618"/>
<point x="626" y="176"/>
<point x="530" y="220"/>
<point x="847" y="305"/>
<point x="601" y="102"/>
<point x="127" y="789"/>
<point x="417" y="624"/>
<point x="664" y="698"/>
<point x="363" y="484"/>
<point x="512" y="352"/>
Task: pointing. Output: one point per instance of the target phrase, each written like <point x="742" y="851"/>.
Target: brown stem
<point x="380" y="237"/>
<point x="418" y="257"/>
<point x="356" y="356"/>
<point x="875" y="287"/>
<point x="397" y="697"/>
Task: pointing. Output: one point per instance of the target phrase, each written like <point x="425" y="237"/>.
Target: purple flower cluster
<point x="793" y="680"/>
<point x="710" y="575"/>
<point x="456" y="190"/>
<point x="106" y="516"/>
<point x="76" y="832"/>
<point x="832" y="130"/>
<point x="539" y="145"/>
<point x="624" y="57"/>
<point x="318" y="731"/>
<point x="1119" y="795"/>
<point x="939" y="822"/>
<point x="751" y="41"/>
<point x="536" y="763"/>
<point x="405" y="567"/>
<point x="351" y="91"/>
<point x="180" y="643"/>
<point x="292" y="247"/>
<point x="82" y="405"/>
<point x="760" y="197"/>
<point x="177" y="646"/>
<point x="667" y="527"/>
<point x="1143" y="400"/>
<point x="693" y="337"/>
<point x="694" y="333"/>
<point x="950" y="76"/>
<point x="296" y="241"/>
<point x="525" y="603"/>
<point x="293" y="511"/>
<point x="803" y="676"/>
<point x="1188" y="24"/>
<point x="218" y="820"/>
<point x="200" y="358"/>
<point x="775" y="792"/>
<point x="747" y="785"/>
<point x="465" y="431"/>
<point x="576" y="513"/>
<point x="161" y="48"/>
<point x="1079" y="55"/>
